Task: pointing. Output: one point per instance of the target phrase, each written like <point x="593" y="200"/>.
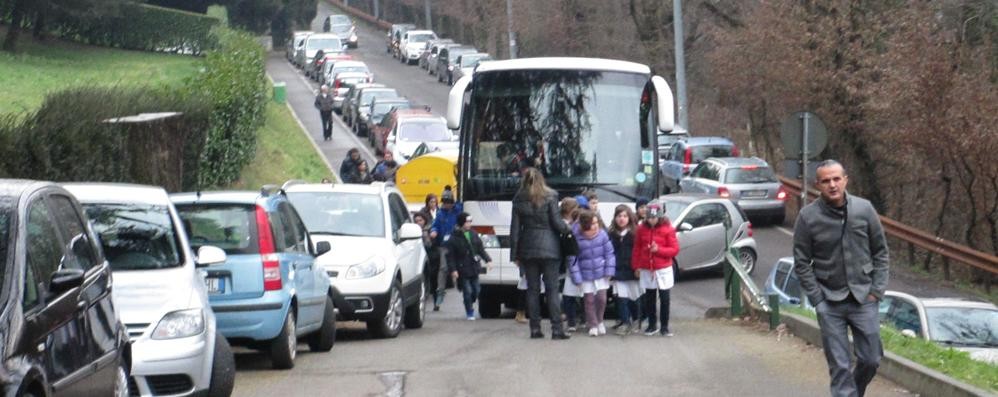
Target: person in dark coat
<point x="349" y="164"/>
<point x="324" y="102"/>
<point x="625" y="283"/>
<point x="465" y="253"/>
<point x="361" y="174"/>
<point x="535" y="245"/>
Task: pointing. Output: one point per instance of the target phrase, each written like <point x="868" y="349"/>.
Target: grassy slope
<point x="282" y="153"/>
<point x="42" y="67"/>
<point x="952" y="362"/>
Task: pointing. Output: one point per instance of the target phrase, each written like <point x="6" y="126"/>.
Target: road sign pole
<point x="803" y="161"/>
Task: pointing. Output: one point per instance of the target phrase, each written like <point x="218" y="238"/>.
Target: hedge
<point x="139" y="27"/>
<point x="234" y="86"/>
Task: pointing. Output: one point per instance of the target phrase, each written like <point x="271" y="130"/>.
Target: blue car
<point x="268" y="293"/>
<point x="783" y="282"/>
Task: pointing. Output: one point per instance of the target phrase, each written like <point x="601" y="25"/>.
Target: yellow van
<point x="427" y="174"/>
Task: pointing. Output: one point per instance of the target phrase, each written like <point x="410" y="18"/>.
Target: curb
<point x="909" y="374"/>
<point x="301" y="127"/>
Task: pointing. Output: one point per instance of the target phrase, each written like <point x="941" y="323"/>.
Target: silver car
<point x="749" y="182"/>
<point x="305" y="52"/>
<point x="159" y="291"/>
<point x="468" y="62"/>
<point x="704" y="225"/>
<point x="432" y="47"/>
<point x="961" y="324"/>
<point x="297" y="38"/>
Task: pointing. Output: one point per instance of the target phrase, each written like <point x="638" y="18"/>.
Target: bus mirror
<point x="666" y="110"/>
<point x="455" y="102"/>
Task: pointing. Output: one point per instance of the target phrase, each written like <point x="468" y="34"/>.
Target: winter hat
<point x="641" y="201"/>
<point x="463" y="218"/>
<point x="583" y="201"/>
<point x="447" y="197"/>
<point x="655" y="209"/>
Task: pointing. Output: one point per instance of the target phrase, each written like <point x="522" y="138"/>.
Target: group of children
<point x="634" y="255"/>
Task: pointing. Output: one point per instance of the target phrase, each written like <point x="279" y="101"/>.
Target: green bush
<point x="234" y="86"/>
<point x="139" y="27"/>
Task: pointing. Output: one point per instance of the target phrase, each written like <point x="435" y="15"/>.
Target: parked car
<point x="666" y="140"/>
<point x="378" y="256"/>
<point x="269" y="291"/>
<point x="447" y="62"/>
<point x="159" y="292"/>
<point x="394" y="36"/>
<point x="466" y="65"/>
<point x="434" y="56"/>
<point x="749" y="182"/>
<point x="342" y="84"/>
<point x="431" y="49"/>
<point x="412" y="128"/>
<point x="952" y="322"/>
<point x="363" y="105"/>
<point x="370" y="119"/>
<point x="351" y="100"/>
<point x="322" y="58"/>
<point x="783" y="282"/>
<point x="62" y="334"/>
<point x="413" y="44"/>
<point x="305" y="53"/>
<point x="342" y="26"/>
<point x="686" y="154"/>
<point x="344" y="66"/>
<point x="700" y="228"/>
<point x="297" y="38"/>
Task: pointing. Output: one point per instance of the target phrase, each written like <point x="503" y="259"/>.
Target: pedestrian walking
<point x="443" y="226"/>
<point x="349" y="164"/>
<point x="324" y="102"/>
<point x="361" y="174"/>
<point x="535" y="245"/>
<point x="465" y="256"/>
<point x="625" y="283"/>
<point x="592" y="268"/>
<point x="841" y="259"/>
<point x="655" y="246"/>
<point x="570" y="291"/>
<point x="430" y="206"/>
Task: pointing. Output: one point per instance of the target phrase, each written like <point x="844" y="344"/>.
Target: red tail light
<point x="271" y="262"/>
<point x="483" y="230"/>
<point x="750" y="229"/>
<point x="723" y="192"/>
<point x="781" y="194"/>
<point x="688" y="156"/>
<point x="734" y="151"/>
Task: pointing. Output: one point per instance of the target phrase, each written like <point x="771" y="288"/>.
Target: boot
<point x="521" y="317"/>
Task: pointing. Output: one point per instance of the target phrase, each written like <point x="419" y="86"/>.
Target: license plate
<point x="215" y="285"/>
<point x="754" y="193"/>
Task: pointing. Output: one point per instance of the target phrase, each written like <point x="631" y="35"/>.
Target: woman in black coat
<point x="535" y="246"/>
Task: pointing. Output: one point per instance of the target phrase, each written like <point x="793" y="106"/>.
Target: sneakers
<point x="559" y="336"/>
<point x="636" y="328"/>
<point x="624" y="329"/>
<point x="668" y="334"/>
<point x="571" y="328"/>
<point x="601" y="329"/>
<point x="536" y="334"/>
<point x="593" y="332"/>
<point x="471" y="316"/>
<point x="521" y="317"/>
<point x="651" y="331"/>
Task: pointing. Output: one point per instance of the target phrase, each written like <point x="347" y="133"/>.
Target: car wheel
<point x="389" y="325"/>
<point x="747" y="257"/>
<point x="223" y="369"/>
<point x="415" y="314"/>
<point x="121" y="379"/>
<point x="323" y="339"/>
<point x="488" y="305"/>
<point x="285" y="346"/>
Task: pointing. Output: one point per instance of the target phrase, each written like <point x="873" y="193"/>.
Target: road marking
<point x="394" y="383"/>
<point x="307" y="136"/>
<point x="785" y="231"/>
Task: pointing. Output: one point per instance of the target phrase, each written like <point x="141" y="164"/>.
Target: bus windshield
<point x="581" y="128"/>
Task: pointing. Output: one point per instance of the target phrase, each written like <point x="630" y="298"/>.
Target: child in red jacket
<point x="655" y="246"/>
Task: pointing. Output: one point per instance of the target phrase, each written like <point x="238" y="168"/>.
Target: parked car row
<point x="444" y="58"/>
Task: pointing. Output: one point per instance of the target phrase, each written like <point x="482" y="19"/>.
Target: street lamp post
<point x="677" y="23"/>
<point x="509" y="29"/>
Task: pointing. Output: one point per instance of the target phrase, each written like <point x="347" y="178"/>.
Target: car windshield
<point x="341" y="214"/>
<point x="749" y="175"/>
<point x="369" y="96"/>
<point x="339" y="19"/>
<point x="702" y="152"/>
<point x="229" y="227"/>
<point x="318" y="44"/>
<point x="469" y="61"/>
<point x="963" y="326"/>
<point x="7" y="206"/>
<point x="424" y="131"/>
<point x="341" y="29"/>
<point x="381" y="109"/>
<point x="343" y="69"/>
<point x="453" y="54"/>
<point x="420" y="38"/>
<point x="135" y="236"/>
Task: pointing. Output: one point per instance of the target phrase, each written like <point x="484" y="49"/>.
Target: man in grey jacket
<point x="841" y="258"/>
<point x="324" y="102"/>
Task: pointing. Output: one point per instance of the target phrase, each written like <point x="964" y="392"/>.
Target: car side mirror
<point x="909" y="333"/>
<point x="410" y="231"/>
<point x="65" y="279"/>
<point x="322" y="247"/>
<point x="685" y="227"/>
<point x="210" y="255"/>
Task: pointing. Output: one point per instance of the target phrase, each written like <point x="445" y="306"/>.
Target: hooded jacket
<point x="596" y="259"/>
<point x="668" y="247"/>
<point x="465" y="256"/>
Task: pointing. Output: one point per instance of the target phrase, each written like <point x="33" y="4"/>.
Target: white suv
<point x="413" y="44"/>
<point x="377" y="254"/>
<point x="159" y="292"/>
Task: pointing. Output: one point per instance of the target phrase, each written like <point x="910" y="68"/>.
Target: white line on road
<point x="785" y="231"/>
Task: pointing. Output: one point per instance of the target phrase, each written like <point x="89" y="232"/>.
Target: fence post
<point x="774" y="314"/>
<point x="736" y="296"/>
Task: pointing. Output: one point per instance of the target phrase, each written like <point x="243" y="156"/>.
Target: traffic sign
<point x="792" y="133"/>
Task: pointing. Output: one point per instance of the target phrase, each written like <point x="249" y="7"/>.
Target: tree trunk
<point x="14" y="30"/>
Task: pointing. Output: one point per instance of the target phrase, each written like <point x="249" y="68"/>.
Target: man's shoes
<point x="536" y="334"/>
<point x="559" y="336"/>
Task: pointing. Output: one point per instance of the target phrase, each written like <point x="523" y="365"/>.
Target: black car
<point x="60" y="333"/>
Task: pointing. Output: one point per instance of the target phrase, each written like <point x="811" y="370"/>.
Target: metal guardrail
<point x="920" y="238"/>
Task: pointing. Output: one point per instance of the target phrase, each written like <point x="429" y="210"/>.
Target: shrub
<point x="139" y="27"/>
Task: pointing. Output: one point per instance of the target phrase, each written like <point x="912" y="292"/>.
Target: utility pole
<point x="677" y="23"/>
<point x="377" y="14"/>
<point x="429" y="16"/>
<point x="509" y="29"/>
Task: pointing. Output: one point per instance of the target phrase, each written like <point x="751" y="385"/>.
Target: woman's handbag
<point x="569" y="247"/>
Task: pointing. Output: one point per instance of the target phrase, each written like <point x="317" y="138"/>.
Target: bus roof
<point x="568" y="63"/>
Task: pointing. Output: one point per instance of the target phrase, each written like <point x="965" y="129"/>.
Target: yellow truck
<point x="426" y="174"/>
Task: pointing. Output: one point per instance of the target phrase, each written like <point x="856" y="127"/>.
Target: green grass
<point x="952" y="362"/>
<point x="39" y="68"/>
<point x="282" y="153"/>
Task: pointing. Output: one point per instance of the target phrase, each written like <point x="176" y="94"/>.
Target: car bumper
<point x="762" y="207"/>
<point x="173" y="367"/>
<point x="257" y="319"/>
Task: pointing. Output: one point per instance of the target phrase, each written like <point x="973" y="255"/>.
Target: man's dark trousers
<point x="835" y="318"/>
<point x="327" y="124"/>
